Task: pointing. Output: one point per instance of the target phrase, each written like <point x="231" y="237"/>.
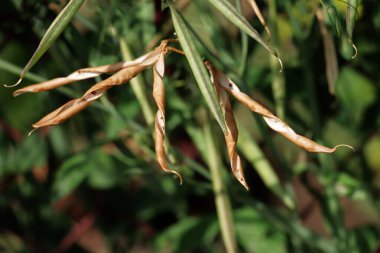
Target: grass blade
<point x="197" y="67"/>
<point x="250" y="149"/>
<point x="55" y="29"/>
<point x="14" y="69"/>
<point x="351" y="15"/>
<point x="278" y="79"/>
<point x="231" y="13"/>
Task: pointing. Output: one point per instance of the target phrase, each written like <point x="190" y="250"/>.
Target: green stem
<point x="14" y="69"/>
<point x="222" y="201"/>
<point x="278" y="82"/>
<point x="250" y="149"/>
<point x="244" y="46"/>
<point x="137" y="85"/>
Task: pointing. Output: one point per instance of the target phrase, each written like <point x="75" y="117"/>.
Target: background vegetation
<point x="92" y="184"/>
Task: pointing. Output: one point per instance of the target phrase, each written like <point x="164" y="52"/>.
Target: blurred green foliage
<point x="92" y="184"/>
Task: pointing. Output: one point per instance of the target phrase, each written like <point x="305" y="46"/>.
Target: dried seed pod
<point x="75" y="106"/>
<point x="159" y="123"/>
<point x="273" y="122"/>
<point x="146" y="61"/>
<point x="125" y="72"/>
<point x="232" y="130"/>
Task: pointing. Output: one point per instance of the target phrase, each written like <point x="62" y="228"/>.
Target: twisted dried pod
<point x="273" y="122"/>
<point x="125" y="71"/>
<point x="159" y="123"/>
<point x="146" y="61"/>
<point x="232" y="131"/>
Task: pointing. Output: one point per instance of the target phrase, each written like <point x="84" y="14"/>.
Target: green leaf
<point x="356" y="92"/>
<point x="55" y="29"/>
<point x="22" y="158"/>
<point x="231" y="13"/>
<point x="197" y="67"/>
<point x="187" y="234"/>
<point x="71" y="174"/>
<point x="255" y="234"/>
<point x="104" y="173"/>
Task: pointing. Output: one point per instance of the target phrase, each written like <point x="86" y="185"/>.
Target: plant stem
<point x="222" y="201"/>
<point x="244" y="46"/>
<point x="14" y="69"/>
<point x="250" y="149"/>
<point x="137" y="85"/>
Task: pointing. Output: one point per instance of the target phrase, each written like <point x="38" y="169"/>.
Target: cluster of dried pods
<point x="125" y="71"/>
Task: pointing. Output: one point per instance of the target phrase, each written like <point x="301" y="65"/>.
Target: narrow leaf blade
<point x="351" y="15"/>
<point x="232" y="14"/>
<point x="197" y="67"/>
<point x="55" y="29"/>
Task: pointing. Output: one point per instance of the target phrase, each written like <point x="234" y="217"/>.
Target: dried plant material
<point x="63" y="113"/>
<point x="125" y="72"/>
<point x="159" y="123"/>
<point x="232" y="131"/>
<point x="257" y="12"/>
<point x="331" y="61"/>
<point x="273" y="122"/>
<point x="146" y="60"/>
<point x="75" y="106"/>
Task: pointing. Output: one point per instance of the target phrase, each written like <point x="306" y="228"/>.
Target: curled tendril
<point x="13" y="85"/>
<point x="355" y="50"/>
<point x="344" y="145"/>
<point x="281" y="65"/>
